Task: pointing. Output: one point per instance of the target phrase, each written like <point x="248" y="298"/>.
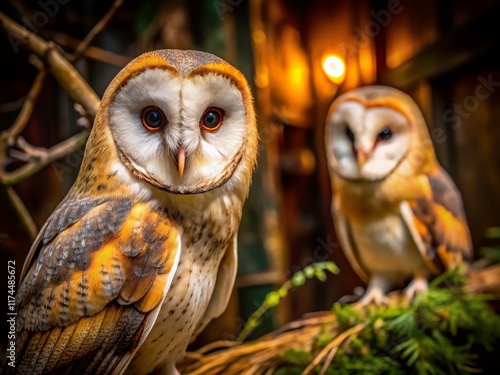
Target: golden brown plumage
<point x="397" y="213"/>
<point x="87" y="273"/>
<point x="141" y="255"/>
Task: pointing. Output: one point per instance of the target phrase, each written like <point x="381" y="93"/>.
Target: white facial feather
<point x="383" y="156"/>
<point x="183" y="101"/>
<point x="154" y="87"/>
<point x="209" y="152"/>
<point x="339" y="147"/>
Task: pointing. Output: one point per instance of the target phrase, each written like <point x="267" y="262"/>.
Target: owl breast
<point x="205" y="239"/>
<point x="385" y="246"/>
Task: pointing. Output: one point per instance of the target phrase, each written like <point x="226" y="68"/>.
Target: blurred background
<point x="297" y="56"/>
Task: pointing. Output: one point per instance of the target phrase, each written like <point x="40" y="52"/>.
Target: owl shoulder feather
<point x="93" y="284"/>
<point x="440" y="219"/>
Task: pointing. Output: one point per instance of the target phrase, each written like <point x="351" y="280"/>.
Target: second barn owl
<point x="398" y="215"/>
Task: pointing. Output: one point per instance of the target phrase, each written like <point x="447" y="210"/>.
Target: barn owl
<point x="141" y="253"/>
<point x="398" y="215"/>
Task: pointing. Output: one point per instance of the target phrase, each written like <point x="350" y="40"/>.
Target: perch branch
<point x="44" y="158"/>
<point x="23" y="213"/>
<point x="485" y="280"/>
<point x="266" y="353"/>
<point x="228" y="358"/>
<point x="96" y="30"/>
<point x="67" y="76"/>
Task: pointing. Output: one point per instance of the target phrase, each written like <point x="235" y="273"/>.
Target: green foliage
<point x="316" y="270"/>
<point x="492" y="252"/>
<point x="443" y="331"/>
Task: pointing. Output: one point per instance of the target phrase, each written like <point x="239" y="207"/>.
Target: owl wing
<point x="226" y="276"/>
<point x="345" y="237"/>
<point x="98" y="274"/>
<point x="438" y="223"/>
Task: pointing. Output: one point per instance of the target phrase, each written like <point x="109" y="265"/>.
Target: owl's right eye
<point x="211" y="120"/>
<point x="153" y="118"/>
<point x="349" y="133"/>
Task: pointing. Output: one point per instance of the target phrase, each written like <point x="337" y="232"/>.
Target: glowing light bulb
<point x="334" y="68"/>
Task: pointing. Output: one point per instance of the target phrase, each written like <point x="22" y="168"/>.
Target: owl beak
<point x="361" y="157"/>
<point x="181" y="159"/>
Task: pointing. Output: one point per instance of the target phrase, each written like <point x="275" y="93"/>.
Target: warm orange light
<point x="334" y="68"/>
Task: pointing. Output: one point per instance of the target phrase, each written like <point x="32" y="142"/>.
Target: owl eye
<point x="153" y="118"/>
<point x="212" y="119"/>
<point x="349" y="133"/>
<point x="385" y="134"/>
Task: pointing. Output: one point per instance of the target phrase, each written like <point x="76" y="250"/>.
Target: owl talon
<point x="416" y="286"/>
<point x="375" y="297"/>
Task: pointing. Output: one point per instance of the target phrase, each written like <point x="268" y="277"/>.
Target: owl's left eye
<point x="385" y="134"/>
<point x="153" y="118"/>
<point x="211" y="119"/>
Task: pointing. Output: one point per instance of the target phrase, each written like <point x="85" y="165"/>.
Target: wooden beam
<point x="456" y="49"/>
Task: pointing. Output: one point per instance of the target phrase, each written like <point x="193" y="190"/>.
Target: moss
<point x="443" y="331"/>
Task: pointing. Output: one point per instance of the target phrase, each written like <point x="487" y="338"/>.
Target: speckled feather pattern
<point x="207" y="235"/>
<point x="116" y="256"/>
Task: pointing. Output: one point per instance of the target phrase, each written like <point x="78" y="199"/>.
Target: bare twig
<point x="254" y="357"/>
<point x="31" y="151"/>
<point x="23" y="213"/>
<point x="47" y="57"/>
<point x="54" y="153"/>
<point x="96" y="30"/>
<point x="91" y="52"/>
<point x="26" y="110"/>
<point x="20" y="155"/>
<point x="12" y="106"/>
<point x="67" y="76"/>
<point x="216" y="345"/>
<point x="332" y="347"/>
<point x="71" y="81"/>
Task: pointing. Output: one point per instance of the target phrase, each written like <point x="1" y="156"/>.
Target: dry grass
<point x="264" y="355"/>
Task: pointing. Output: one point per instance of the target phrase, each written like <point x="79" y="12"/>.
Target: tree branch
<point x="67" y="76"/>
<point x="84" y="44"/>
<point x="12" y="106"/>
<point x="23" y="213"/>
<point x="92" y="52"/>
<point x="45" y="157"/>
<point x="26" y="110"/>
<point x="46" y="57"/>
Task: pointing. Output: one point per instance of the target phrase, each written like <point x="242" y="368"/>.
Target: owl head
<point x="374" y="131"/>
<point x="181" y="121"/>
